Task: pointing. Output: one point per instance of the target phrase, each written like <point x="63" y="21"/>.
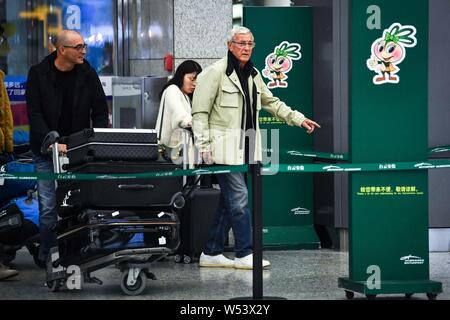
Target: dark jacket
<point x="44" y="100"/>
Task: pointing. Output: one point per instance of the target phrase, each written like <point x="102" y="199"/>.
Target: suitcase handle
<point x="136" y="186"/>
<point x="11" y="222"/>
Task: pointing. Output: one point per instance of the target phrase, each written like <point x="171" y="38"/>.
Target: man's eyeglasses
<point x="78" y="47"/>
<point x="243" y="44"/>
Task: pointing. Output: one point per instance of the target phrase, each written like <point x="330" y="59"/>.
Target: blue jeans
<point x="232" y="212"/>
<point x="47" y="207"/>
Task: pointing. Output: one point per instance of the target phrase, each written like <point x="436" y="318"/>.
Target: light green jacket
<point x="217" y="112"/>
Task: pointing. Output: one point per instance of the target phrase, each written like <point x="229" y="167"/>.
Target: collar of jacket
<point x="232" y="61"/>
<point x="46" y="67"/>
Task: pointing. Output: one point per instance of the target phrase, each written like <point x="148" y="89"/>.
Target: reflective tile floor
<point x="294" y="275"/>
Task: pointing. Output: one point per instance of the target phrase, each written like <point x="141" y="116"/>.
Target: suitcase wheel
<point x="135" y="286"/>
<point x="187" y="259"/>
<point x="178" y="201"/>
<point x="177" y="258"/>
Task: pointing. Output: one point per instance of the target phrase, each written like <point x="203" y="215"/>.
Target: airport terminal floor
<point x="294" y="275"/>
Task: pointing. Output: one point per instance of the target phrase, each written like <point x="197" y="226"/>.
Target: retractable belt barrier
<point x="357" y="167"/>
<point x="344" y="156"/>
<point x="116" y="176"/>
<point x="439" y="150"/>
<point x="316" y="154"/>
<point x="267" y="169"/>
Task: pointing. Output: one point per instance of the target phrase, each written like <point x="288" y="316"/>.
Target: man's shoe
<point x="6" y="272"/>
<point x="247" y="262"/>
<point x="40" y="263"/>
<point x="218" y="261"/>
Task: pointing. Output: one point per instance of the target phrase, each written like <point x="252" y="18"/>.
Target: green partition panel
<point x="388" y="220"/>
<point x="283" y="37"/>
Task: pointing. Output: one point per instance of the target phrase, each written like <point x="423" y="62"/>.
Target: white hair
<point x="237" y="30"/>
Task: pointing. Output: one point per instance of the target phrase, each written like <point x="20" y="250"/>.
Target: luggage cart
<point x="133" y="262"/>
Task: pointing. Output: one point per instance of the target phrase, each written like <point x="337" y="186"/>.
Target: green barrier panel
<point x="283" y="54"/>
<point x="388" y="235"/>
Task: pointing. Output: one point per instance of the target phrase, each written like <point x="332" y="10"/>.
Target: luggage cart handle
<point x="51" y="138"/>
<point x="136" y="186"/>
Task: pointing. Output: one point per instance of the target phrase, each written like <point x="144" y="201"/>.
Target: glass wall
<point x="150" y="29"/>
<point x="14" y="38"/>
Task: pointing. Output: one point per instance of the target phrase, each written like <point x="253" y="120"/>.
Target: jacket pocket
<point x="230" y="97"/>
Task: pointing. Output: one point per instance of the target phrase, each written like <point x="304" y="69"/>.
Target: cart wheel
<point x="135" y="289"/>
<point x="177" y="258"/>
<point x="55" y="285"/>
<point x="371" y="296"/>
<point x="431" y="296"/>
<point x="187" y="259"/>
<point x="408" y="295"/>
<point x="349" y="294"/>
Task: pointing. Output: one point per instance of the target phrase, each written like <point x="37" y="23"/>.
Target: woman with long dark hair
<point x="175" y="110"/>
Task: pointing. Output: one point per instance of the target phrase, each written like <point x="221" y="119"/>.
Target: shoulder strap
<point x="190" y="129"/>
<point x="162" y="115"/>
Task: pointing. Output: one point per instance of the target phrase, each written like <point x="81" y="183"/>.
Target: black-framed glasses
<point x="243" y="44"/>
<point x="78" y="47"/>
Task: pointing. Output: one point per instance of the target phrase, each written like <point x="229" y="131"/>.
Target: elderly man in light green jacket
<point x="229" y="95"/>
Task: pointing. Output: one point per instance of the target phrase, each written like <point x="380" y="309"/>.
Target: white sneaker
<point x="247" y="262"/>
<point x="218" y="261"/>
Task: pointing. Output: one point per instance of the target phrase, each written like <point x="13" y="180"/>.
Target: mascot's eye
<point x="391" y="48"/>
<point x="281" y="61"/>
<point x="272" y="61"/>
<point x="380" y="46"/>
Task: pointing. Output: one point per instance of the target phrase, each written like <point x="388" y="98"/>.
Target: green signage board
<point x="389" y="113"/>
<point x="388" y="225"/>
<point x="283" y="54"/>
<point x="388" y="219"/>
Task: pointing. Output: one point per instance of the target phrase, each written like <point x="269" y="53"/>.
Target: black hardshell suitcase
<point x="93" y="234"/>
<point x="98" y="144"/>
<point x="195" y="219"/>
<point x="158" y="193"/>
